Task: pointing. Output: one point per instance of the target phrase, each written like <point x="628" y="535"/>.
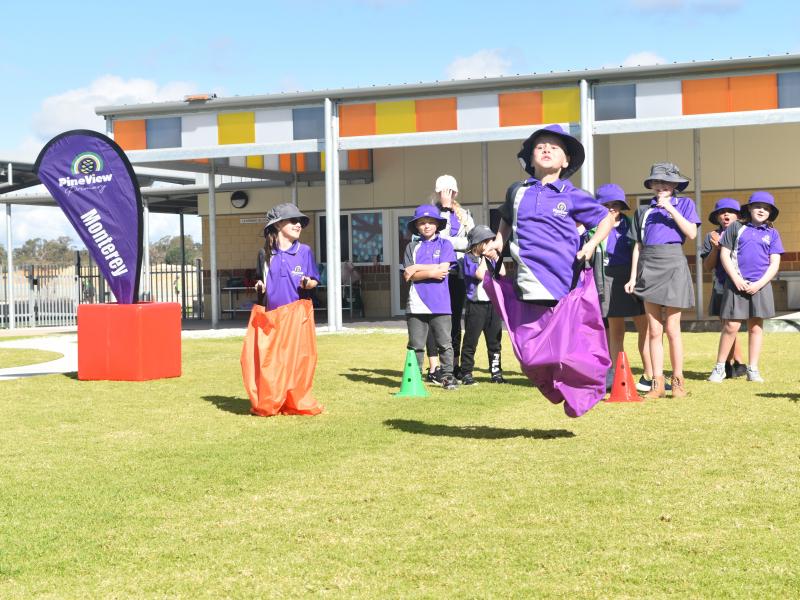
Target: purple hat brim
<point x="773" y="210"/>
<point x="412" y="224"/>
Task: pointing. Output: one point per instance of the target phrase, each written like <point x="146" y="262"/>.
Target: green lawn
<point x="15" y="357"/>
<point x="169" y="489"/>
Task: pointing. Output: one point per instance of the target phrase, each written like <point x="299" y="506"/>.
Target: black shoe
<point x="435" y="376"/>
<point x="498" y="378"/>
<point x="467" y="379"/>
<point x="449" y="382"/>
<point x="728" y="370"/>
<point x="457" y="373"/>
<point x="738" y="370"/>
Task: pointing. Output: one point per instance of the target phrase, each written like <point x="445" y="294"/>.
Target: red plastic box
<point x="129" y="342"/>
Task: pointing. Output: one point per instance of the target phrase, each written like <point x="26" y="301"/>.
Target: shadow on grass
<point x="231" y="404"/>
<point x="385" y="377"/>
<point x="476" y="432"/>
<point x="793" y="396"/>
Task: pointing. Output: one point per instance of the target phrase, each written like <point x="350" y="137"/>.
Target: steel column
<point x="698" y="241"/>
<point x="587" y="136"/>
<point x="212" y="245"/>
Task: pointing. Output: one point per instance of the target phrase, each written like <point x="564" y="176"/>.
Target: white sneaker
<point x="754" y="375"/>
<point x="718" y="374"/>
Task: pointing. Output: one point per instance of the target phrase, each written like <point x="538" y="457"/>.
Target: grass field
<point x="169" y="489"/>
<point x="19" y="357"/>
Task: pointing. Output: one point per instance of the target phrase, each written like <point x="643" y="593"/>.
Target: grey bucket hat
<point x="478" y="234"/>
<point x="668" y="172"/>
<point x="282" y="212"/>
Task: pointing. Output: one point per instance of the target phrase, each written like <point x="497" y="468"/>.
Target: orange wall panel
<point x="357" y="160"/>
<point x="285" y="162"/>
<point x="300" y="162"/>
<point x="438" y="114"/>
<point x="754" y="92"/>
<point x="131" y="135"/>
<point x="357" y="119"/>
<point x="702" y="96"/>
<point x="520" y="108"/>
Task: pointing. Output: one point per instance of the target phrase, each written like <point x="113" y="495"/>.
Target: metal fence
<point x="48" y="295"/>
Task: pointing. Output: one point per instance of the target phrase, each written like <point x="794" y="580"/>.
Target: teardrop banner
<point x="93" y="182"/>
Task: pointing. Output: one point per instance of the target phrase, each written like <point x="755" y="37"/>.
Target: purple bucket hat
<point x="764" y="198"/>
<point x="723" y="204"/>
<point x="573" y="147"/>
<point x="424" y="211"/>
<point x="611" y="192"/>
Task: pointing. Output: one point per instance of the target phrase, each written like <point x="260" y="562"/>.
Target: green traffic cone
<point x="412" y="386"/>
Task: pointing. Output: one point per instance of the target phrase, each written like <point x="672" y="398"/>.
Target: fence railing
<point x="48" y="295"/>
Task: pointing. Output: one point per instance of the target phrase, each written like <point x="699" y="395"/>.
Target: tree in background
<point x="38" y="251"/>
<point x="167" y="250"/>
<point x="3" y="256"/>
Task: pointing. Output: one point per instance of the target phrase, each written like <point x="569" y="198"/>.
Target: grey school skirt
<point x="739" y="306"/>
<point x="663" y="276"/>
<point x="615" y="301"/>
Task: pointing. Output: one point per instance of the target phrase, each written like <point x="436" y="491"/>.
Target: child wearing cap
<point x="611" y="275"/>
<point x="479" y="316"/>
<point x="751" y="255"/>
<point x="726" y="212"/>
<point x="287" y="269"/>
<point x="540" y="216"/>
<point x="459" y="223"/>
<point x="659" y="272"/>
<point x="426" y="264"/>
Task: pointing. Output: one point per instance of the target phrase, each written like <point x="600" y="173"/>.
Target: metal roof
<point x="552" y="79"/>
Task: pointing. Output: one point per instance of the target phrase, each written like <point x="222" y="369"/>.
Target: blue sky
<point x="59" y="62"/>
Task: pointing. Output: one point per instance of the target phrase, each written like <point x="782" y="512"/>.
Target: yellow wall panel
<point x="255" y="162"/>
<point x="396" y="117"/>
<point x="236" y="128"/>
<point x="561" y="105"/>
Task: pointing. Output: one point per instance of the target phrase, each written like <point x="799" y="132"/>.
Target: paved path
<point x="67" y="345"/>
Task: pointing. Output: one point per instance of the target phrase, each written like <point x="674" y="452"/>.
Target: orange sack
<point x="279" y="357"/>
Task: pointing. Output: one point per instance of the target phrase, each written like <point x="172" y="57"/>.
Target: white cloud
<point x="484" y="63"/>
<point x="74" y="109"/>
<point x="657" y="5"/>
<point x="674" y="6"/>
<point x="646" y="57"/>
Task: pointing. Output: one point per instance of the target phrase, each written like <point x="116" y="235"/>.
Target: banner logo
<point x="86" y="163"/>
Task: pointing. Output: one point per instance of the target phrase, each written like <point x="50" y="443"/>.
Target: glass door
<point x="400" y="238"/>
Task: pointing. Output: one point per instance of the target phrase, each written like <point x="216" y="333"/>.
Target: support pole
<point x="212" y="245"/>
<point x="485" y="181"/>
<point x="698" y="241"/>
<point x="587" y="136"/>
<point x="12" y="313"/>
<point x="294" y="179"/>
<point x="148" y="294"/>
<point x="183" y="266"/>
<point x="332" y="230"/>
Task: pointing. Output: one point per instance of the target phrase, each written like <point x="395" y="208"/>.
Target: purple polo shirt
<point x="286" y="269"/>
<point x="429" y="296"/>
<point x="751" y="248"/>
<point x="544" y="238"/>
<point x="619" y="246"/>
<point x="475" y="291"/>
<point x="720" y="276"/>
<point x="659" y="227"/>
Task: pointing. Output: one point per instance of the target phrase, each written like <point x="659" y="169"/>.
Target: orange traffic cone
<point x="624" y="389"/>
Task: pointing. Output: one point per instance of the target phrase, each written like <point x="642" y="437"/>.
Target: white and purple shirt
<point x="544" y="237"/>
<point x="751" y="247"/>
<point x="475" y="291"/>
<point x="653" y="225"/>
<point x="286" y="269"/>
<point x="619" y="246"/>
<point x="429" y="296"/>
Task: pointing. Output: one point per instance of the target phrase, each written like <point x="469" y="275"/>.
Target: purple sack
<point x="563" y="349"/>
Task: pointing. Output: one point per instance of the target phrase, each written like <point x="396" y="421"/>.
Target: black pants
<point x="458" y="292"/>
<point x="480" y="317"/>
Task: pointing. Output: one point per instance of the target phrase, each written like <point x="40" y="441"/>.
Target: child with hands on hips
<point x="751" y="255"/>
<point x="426" y="264"/>
<point x="659" y="272"/>
<point x="540" y="216"/>
<point x="479" y="316"/>
<point x="726" y="212"/>
<point x="287" y="269"/>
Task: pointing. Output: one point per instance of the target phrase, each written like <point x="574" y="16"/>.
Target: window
<point x="361" y="235"/>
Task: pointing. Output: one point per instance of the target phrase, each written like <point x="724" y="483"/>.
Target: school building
<point x="370" y="155"/>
